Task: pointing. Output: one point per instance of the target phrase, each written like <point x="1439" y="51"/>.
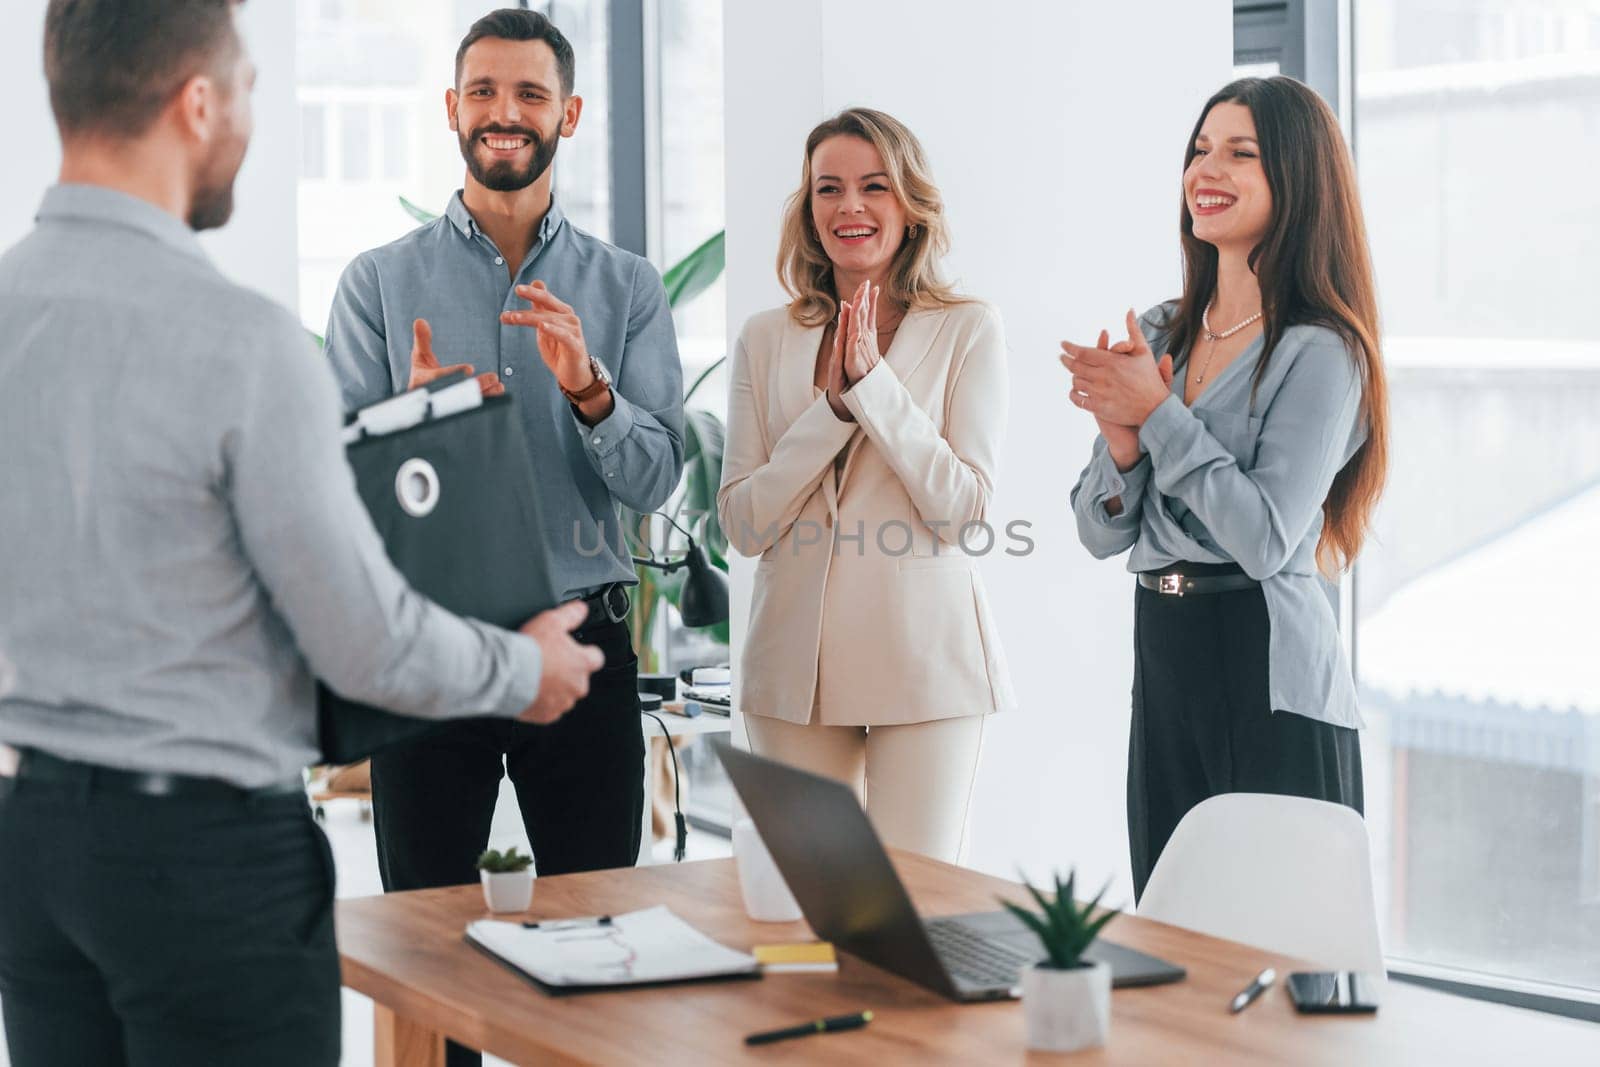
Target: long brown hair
<point x="1314" y="268"/>
<point x="913" y="281"/>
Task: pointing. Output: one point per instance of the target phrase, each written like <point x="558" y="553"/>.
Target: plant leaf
<point x="695" y="273"/>
<point x="421" y="214"/>
<point x="703" y="444"/>
<point x="708" y="372"/>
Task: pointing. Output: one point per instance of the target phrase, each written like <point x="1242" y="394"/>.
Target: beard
<point x="507" y="176"/>
<point x="211" y="205"/>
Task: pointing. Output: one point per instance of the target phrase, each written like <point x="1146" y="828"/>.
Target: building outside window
<point x="1477" y="136"/>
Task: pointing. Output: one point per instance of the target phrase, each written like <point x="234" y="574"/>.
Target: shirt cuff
<point x="1168" y="421"/>
<point x="1109" y="482"/>
<point x="604" y="438"/>
<point x="525" y="663"/>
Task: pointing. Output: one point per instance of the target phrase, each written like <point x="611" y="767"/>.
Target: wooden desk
<point x="406" y="952"/>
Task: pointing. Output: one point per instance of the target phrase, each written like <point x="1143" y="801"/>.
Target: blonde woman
<point x="864" y="428"/>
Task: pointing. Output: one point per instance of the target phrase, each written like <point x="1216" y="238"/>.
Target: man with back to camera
<point x="184" y="549"/>
<point x="581" y="334"/>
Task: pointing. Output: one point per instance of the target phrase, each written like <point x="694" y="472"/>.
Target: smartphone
<point x="1333" y="992"/>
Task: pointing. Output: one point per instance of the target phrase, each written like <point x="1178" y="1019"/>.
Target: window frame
<point x="1313" y="41"/>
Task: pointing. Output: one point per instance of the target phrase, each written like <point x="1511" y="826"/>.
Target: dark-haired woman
<point x="1242" y="467"/>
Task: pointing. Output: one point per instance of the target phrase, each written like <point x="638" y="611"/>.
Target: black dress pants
<point x="579" y="783"/>
<point x="1203" y="722"/>
<point x="144" y="931"/>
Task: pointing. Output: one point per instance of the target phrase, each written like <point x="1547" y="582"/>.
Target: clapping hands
<point x="1120" y="385"/>
<point x="855" y="346"/>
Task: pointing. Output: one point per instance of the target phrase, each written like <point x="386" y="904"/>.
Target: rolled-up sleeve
<point x="1102" y="533"/>
<point x="354" y="618"/>
<point x="638" y="448"/>
<point x="1259" y="514"/>
<point x="356" y="345"/>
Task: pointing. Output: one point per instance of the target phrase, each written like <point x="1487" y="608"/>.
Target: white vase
<point x="507" y="890"/>
<point x="1067" y="1010"/>
<point x="766" y="895"/>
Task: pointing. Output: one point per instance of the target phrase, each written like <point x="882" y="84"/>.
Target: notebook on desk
<point x="649" y="947"/>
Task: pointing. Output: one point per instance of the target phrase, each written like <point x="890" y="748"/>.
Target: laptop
<point x="849" y="892"/>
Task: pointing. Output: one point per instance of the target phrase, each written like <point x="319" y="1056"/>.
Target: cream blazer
<point x="866" y="606"/>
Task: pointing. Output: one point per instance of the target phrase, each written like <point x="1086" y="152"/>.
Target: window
<point x="1478" y="135"/>
<point x="691" y="174"/>
<point x="372" y="76"/>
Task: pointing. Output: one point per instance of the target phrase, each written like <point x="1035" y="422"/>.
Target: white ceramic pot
<point x="507" y="890"/>
<point x="1067" y="1010"/>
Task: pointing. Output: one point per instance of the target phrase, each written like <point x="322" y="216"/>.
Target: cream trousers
<point x="915" y="780"/>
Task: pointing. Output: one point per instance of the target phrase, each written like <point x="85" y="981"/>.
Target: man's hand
<point x="559" y="334"/>
<point x="425" y="365"/>
<point x="567" y="665"/>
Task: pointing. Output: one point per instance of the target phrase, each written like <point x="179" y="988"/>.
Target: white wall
<point x="1056" y="133"/>
<point x="258" y="247"/>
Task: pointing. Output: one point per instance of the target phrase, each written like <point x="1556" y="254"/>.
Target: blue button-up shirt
<point x="1240" y="477"/>
<point x="450" y="273"/>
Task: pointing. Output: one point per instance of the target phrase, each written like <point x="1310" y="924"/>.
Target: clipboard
<point x="639" y="950"/>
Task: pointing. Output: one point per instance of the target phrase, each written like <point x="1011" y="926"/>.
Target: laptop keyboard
<point x="974" y="958"/>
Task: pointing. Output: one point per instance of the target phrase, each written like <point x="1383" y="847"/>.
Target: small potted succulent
<point x="1066" y="999"/>
<point x="507" y="879"/>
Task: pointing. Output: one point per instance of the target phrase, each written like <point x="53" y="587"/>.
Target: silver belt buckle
<point x="1171" y="585"/>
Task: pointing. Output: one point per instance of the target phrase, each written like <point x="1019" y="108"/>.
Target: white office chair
<point x="1286" y="874"/>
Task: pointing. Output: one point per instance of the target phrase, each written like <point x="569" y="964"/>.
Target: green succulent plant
<point x="508" y="862"/>
<point x="1065" y="929"/>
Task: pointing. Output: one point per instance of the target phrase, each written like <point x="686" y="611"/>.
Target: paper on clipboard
<point x="639" y="948"/>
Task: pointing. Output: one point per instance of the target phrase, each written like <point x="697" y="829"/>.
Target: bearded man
<point x="580" y="333"/>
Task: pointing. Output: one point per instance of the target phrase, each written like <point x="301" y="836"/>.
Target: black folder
<point x="455" y="500"/>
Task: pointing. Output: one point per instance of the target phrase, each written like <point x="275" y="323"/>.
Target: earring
<point x="911" y="231"/>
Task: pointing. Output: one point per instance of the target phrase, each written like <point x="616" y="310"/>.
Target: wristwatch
<point x="602" y="382"/>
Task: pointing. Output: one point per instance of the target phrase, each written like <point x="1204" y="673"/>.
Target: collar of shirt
<point x="463" y="221"/>
<point x="97" y="203"/>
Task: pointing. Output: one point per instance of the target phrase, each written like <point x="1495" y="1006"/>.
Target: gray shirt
<point x="450" y="273"/>
<point x="181" y="543"/>
<point x="1229" y="480"/>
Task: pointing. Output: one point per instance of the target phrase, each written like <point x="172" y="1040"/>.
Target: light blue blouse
<point x="1231" y="480"/>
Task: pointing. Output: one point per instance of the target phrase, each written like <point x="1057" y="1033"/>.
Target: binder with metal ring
<point x="453" y="494"/>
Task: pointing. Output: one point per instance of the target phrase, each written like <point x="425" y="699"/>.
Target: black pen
<point x="568" y="924"/>
<point x="1260" y="985"/>
<point x="821" y="1026"/>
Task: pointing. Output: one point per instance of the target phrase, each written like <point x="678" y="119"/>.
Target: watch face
<point x="599" y="369"/>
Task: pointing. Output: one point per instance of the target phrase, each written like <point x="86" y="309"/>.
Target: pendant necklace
<point x="1213" y="336"/>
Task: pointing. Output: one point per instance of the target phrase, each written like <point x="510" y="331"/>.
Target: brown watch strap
<point x="588" y="392"/>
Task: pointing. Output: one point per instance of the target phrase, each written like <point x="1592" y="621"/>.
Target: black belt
<point x="1183" y="585"/>
<point x="37" y="766"/>
<point x="608" y="605"/>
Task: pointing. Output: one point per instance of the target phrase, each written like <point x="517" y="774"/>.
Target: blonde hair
<point x="913" y="280"/>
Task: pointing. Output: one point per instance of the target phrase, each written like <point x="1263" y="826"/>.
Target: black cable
<point x="681" y="844"/>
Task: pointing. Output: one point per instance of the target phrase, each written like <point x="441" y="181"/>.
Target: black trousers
<point x="1203" y="722"/>
<point x="579" y="782"/>
<point x="164" y="932"/>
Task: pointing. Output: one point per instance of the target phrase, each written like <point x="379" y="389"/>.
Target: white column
<point x="258" y="247"/>
<point x="1056" y="132"/>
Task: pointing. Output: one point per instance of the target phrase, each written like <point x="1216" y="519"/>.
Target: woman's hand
<point x="861" y="337"/>
<point x="1121" y="441"/>
<point x="836" y="381"/>
<point x="1118" y="387"/>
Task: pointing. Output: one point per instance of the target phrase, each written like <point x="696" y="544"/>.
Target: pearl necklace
<point x="1213" y="337"/>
